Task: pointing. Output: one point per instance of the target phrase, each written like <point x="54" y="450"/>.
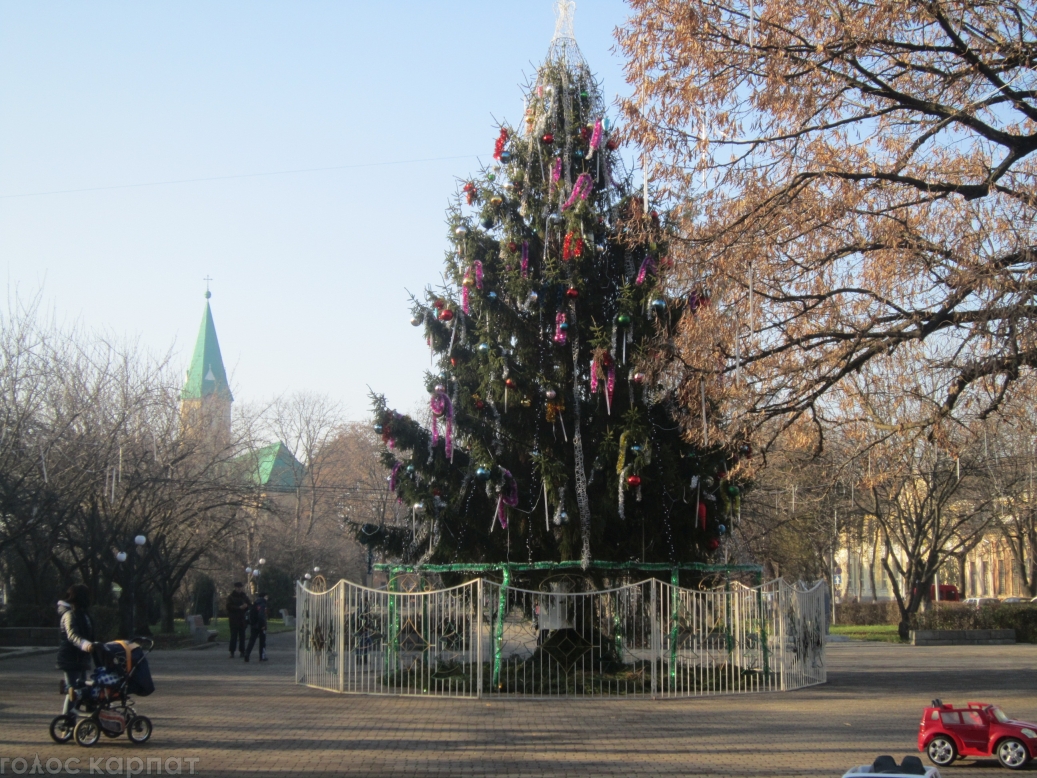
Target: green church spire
<point x="206" y="377"/>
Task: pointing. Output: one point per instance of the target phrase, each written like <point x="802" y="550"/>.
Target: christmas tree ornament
<point x="572" y="292"/>
<point x="708" y="482"/>
<point x="713" y="544"/>
<point x="410" y="469"/>
<point x="510" y="383"/>
<point x="525" y="402"/>
<point x="496" y="201"/>
<point x="460" y="231"/>
<point x="487" y="223"/>
<point x="439" y="304"/>
<point x="469" y="193"/>
<point x="733" y="490"/>
<point x="491" y="296"/>
<point x="483" y="348"/>
<point x="659" y="305"/>
<point x="482" y="473"/>
<point x="498" y="146"/>
<point x="491" y="177"/>
<point x="623" y="319"/>
<point x="561" y="325"/>
<point x="479" y="405"/>
<point x="721" y="529"/>
<point x="446" y="314"/>
<point x="595" y="139"/>
<point x="548" y="139"/>
<point x="647" y="266"/>
<point x="633" y="481"/>
<point x="578" y="153"/>
<point x="531" y="299"/>
<point x="639" y="378"/>
<point x="702" y="515"/>
<point x="505" y="156"/>
<point x="416" y="321"/>
<point x="378" y="428"/>
<point x="468" y="281"/>
<point x="550" y="394"/>
<point x="419" y="508"/>
<point x="635" y="448"/>
<point x="441" y="406"/>
<point x="512" y="246"/>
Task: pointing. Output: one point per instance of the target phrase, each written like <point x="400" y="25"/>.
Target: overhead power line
<point x="237" y="176"/>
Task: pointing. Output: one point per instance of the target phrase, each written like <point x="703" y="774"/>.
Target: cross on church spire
<point x="208" y="294"/>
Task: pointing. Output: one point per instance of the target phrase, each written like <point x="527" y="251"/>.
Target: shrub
<point x="1021" y="618"/>
<point x="861" y="614"/>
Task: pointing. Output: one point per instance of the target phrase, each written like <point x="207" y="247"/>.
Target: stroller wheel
<point x="87" y="731"/>
<point x="139" y="729"/>
<point x="61" y="728"/>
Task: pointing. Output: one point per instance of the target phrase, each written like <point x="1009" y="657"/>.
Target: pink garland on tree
<point x="581" y="189"/>
<point x="648" y="266"/>
<point x="559" y="332"/>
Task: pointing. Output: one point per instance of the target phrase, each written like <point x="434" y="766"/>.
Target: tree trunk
<point x="166" y="625"/>
<point x="961" y="576"/>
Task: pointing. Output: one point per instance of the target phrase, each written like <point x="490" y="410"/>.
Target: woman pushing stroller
<point x="77" y="639"/>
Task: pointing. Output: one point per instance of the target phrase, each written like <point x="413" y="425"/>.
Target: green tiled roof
<point x="206" y="376"/>
<point x="277" y="468"/>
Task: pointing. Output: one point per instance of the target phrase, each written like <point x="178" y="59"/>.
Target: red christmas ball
<point x="510" y="383"/>
<point x="446" y="314"/>
<point x="611" y="145"/>
<point x="572" y="292"/>
<point x="713" y="544"/>
<point x="439" y="305"/>
<point x="548" y="138"/>
<point x="512" y="246"/>
<point x="639" y="378"/>
<point x="436" y="493"/>
<point x="479" y="405"/>
<point x="633" y="481"/>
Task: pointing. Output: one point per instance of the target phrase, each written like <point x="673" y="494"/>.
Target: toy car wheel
<point x="1012" y="753"/>
<point x="139" y="729"/>
<point x="61" y="728"/>
<point x="941" y="751"/>
<point x="87" y="731"/>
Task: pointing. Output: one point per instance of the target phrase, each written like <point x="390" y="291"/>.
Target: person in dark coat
<point x="257" y="626"/>
<point x="77" y="638"/>
<point x="237" y="609"/>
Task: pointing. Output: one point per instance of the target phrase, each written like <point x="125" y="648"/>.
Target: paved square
<point x="240" y="720"/>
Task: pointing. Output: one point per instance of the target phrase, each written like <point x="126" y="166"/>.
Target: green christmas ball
<point x="487" y="223"/>
<point x="623" y="319"/>
<point x="491" y="177"/>
<point x="733" y="490"/>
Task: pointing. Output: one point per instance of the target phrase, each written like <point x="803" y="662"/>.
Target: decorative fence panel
<point x="649" y="639"/>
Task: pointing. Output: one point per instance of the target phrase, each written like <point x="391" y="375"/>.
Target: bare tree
<point x="859" y="176"/>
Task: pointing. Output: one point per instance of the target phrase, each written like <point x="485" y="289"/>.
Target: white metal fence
<point x="483" y="638"/>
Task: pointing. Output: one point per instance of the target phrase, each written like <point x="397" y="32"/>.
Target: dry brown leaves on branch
<point x="867" y="171"/>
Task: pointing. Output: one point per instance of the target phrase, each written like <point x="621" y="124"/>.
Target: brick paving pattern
<point x="243" y="720"/>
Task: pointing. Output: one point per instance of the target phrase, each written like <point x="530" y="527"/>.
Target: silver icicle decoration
<point x="581" y="473"/>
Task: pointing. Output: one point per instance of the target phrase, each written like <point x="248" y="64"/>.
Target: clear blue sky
<point x="309" y="268"/>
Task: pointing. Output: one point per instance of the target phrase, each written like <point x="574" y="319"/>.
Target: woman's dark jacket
<point x="77" y="633"/>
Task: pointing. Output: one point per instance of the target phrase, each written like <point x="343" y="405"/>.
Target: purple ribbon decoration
<point x="559" y="332"/>
<point x="509" y="497"/>
<point x="581" y="189"/>
<point x="441" y="406"/>
<point x="610" y="386"/>
<point x="478" y="274"/>
<point x="392" y="478"/>
<point x="556" y="174"/>
<point x="525" y="258"/>
<point x="648" y="266"/>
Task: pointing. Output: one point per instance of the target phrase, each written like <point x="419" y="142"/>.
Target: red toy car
<point x="980" y="729"/>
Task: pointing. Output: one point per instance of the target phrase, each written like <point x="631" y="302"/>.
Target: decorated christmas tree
<point x="556" y="433"/>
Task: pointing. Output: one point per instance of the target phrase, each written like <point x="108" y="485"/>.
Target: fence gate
<point x="483" y="638"/>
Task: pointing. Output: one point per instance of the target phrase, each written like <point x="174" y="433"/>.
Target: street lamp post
<point x="131" y="557"/>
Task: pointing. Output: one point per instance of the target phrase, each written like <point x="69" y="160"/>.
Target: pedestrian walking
<point x="77" y="638"/>
<point x="257" y="626"/>
<point x="237" y="612"/>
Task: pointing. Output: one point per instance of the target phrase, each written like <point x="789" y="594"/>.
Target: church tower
<point x="206" y="399"/>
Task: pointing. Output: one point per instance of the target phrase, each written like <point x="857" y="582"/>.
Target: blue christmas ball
<point x="636" y="449"/>
<point x="487" y="223"/>
<point x="721" y="529"/>
<point x="491" y="296"/>
<point x="659" y="304"/>
<point x="483" y="347"/>
<point x="482" y="473"/>
<point x="505" y="156"/>
<point x="410" y="468"/>
<point x="578" y="153"/>
<point x="563" y="326"/>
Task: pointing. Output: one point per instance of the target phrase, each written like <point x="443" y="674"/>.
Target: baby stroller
<point x="104" y="704"/>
